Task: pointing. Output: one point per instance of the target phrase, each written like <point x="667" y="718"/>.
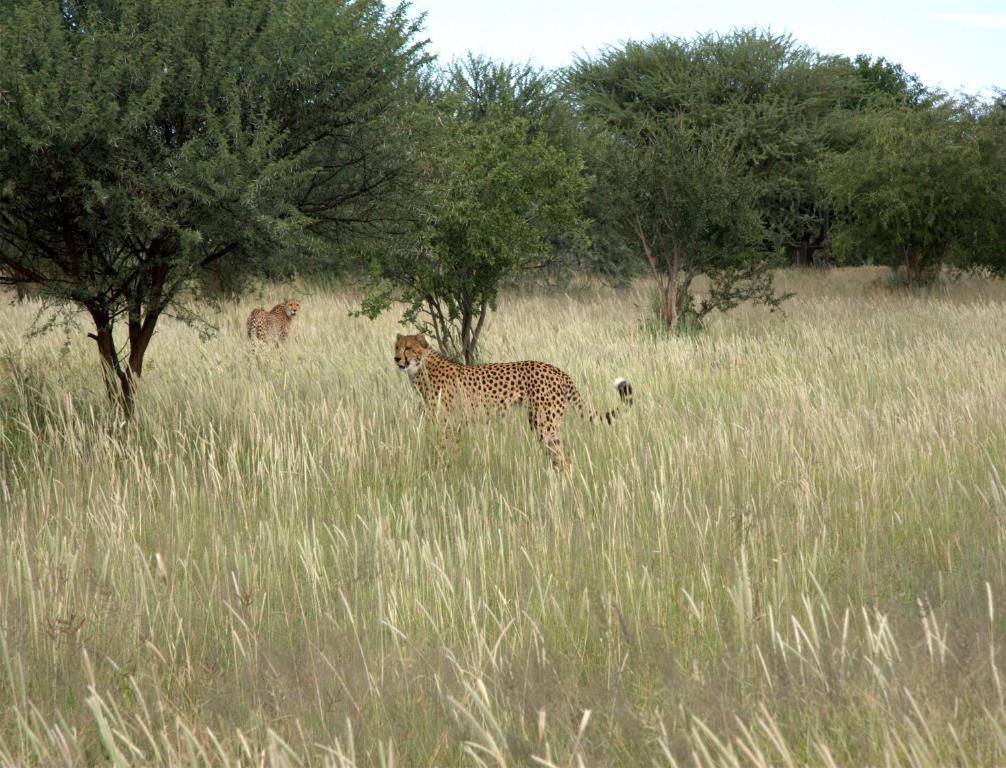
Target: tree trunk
<point x="669" y="303"/>
<point x="471" y="344"/>
<point x="469" y="338"/>
<point x="668" y="273"/>
<point x="441" y="327"/>
<point x="819" y="252"/>
<point x="918" y="271"/>
<point x="467" y="350"/>
<point x="671" y="300"/>
<point x="913" y="266"/>
<point x="802" y="249"/>
<point x="117" y="385"/>
<point x="120" y="382"/>
<point x="472" y="319"/>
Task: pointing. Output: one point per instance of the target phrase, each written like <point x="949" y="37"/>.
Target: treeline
<point x="155" y="155"/>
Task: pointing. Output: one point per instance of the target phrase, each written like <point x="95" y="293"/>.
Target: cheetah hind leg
<point x="546" y="435"/>
<point x="553" y="445"/>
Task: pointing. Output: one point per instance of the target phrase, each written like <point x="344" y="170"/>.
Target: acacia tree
<point x="772" y="99"/>
<point x="480" y="88"/>
<point x="883" y="79"/>
<point x="499" y="193"/>
<point x="146" y="142"/>
<point x="670" y="183"/>
<point x="912" y="189"/>
<point x="492" y="199"/>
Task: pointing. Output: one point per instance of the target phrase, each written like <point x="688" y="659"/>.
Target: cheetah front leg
<point x="447" y="424"/>
<point x="449" y="434"/>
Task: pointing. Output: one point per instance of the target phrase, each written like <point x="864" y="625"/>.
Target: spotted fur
<point x="274" y="325"/>
<point x="542" y="389"/>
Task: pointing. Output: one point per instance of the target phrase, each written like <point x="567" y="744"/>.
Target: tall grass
<point x="792" y="550"/>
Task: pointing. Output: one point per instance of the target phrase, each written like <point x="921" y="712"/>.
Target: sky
<point x="957" y="46"/>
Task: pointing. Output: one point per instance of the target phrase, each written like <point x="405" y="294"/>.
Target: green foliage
<point x="147" y="142"/>
<point x="674" y="169"/>
<point x="774" y="99"/>
<point x="770" y="99"/>
<point x="989" y="250"/>
<point x="494" y="198"/>
<point x="913" y="188"/>
<point x="481" y="88"/>
<point x="497" y="197"/>
<point x="885" y="79"/>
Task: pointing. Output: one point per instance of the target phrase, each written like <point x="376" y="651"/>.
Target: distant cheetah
<point x="274" y="325"/>
<point x="541" y="388"/>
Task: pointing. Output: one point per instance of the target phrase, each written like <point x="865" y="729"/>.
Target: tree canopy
<point x="677" y="177"/>
<point x="147" y="141"/>
<point x="498" y="193"/>
<point x="154" y="150"/>
<point x="912" y="188"/>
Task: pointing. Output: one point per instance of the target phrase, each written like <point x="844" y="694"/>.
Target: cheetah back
<point x="273" y="325"/>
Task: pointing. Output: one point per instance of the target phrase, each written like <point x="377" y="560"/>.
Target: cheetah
<point x="273" y="325"/>
<point x="542" y="389"/>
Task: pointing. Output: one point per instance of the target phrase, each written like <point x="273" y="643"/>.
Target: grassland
<point x="792" y="550"/>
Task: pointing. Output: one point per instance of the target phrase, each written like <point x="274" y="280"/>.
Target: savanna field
<point x="791" y="550"/>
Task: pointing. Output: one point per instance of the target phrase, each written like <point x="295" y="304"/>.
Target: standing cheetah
<point x="273" y="325"/>
<point x="541" y="388"/>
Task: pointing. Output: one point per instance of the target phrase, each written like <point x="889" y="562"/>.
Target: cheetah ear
<point x="422" y="340"/>
<point x="398" y="337"/>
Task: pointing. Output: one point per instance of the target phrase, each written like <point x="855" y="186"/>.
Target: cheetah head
<point x="291" y="307"/>
<point x="410" y="351"/>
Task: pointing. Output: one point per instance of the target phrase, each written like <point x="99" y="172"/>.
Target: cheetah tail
<point x="624" y="389"/>
<point x="625" y="400"/>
